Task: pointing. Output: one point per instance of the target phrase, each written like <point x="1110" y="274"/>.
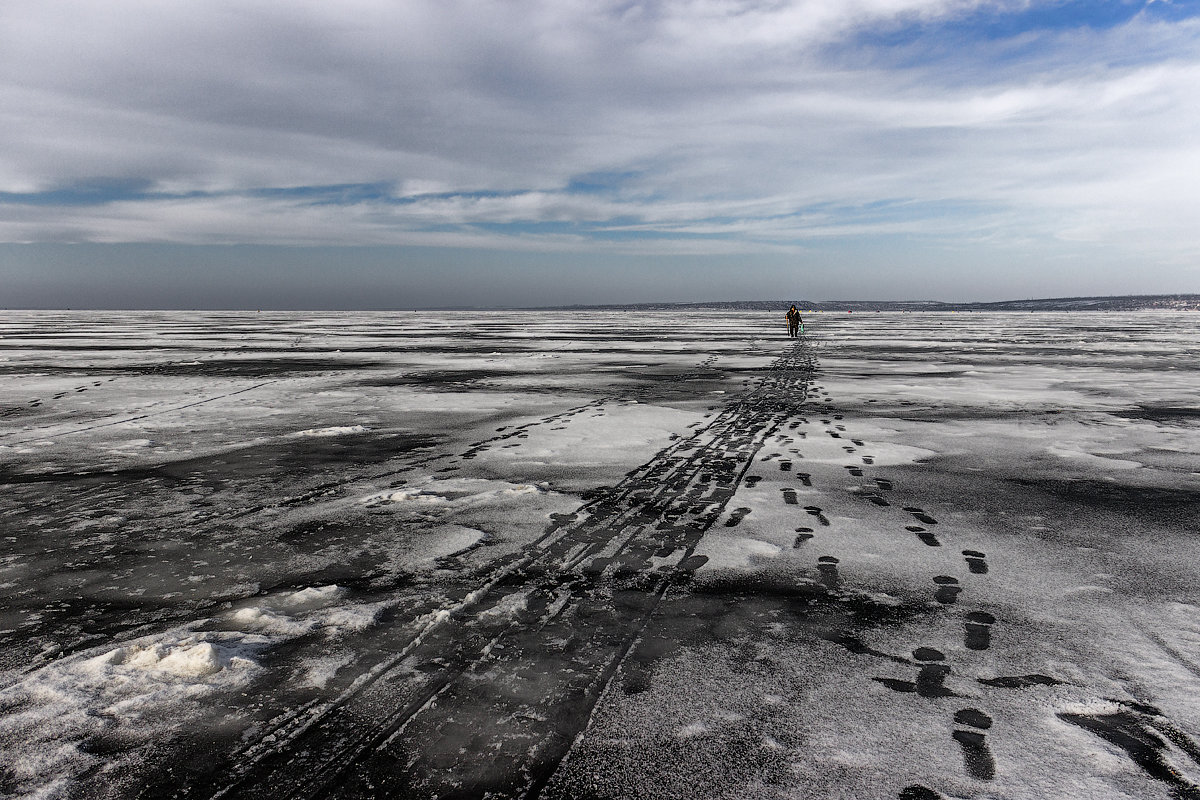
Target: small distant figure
<point x="795" y="324"/>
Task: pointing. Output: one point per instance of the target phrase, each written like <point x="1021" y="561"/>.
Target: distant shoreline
<point x="1156" y="302"/>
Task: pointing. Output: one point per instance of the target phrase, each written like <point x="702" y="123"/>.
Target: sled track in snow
<point x="487" y="696"/>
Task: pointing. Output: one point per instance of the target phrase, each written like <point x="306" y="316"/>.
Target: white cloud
<point x="760" y="123"/>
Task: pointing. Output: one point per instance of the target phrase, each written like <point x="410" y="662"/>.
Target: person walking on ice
<point x="795" y="324"/>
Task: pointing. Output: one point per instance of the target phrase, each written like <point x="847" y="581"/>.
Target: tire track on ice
<point x="511" y="669"/>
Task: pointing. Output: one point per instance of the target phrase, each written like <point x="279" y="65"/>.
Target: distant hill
<point x="1164" y="302"/>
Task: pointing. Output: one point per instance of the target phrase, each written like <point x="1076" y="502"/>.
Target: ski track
<point x="589" y="587"/>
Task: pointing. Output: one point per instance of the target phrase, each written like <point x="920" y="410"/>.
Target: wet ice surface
<point x="599" y="555"/>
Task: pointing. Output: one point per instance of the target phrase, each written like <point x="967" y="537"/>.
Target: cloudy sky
<point x="410" y="153"/>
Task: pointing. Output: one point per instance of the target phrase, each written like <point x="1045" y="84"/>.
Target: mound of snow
<point x="315" y="595"/>
<point x="341" y="430"/>
<point x="299" y="612"/>
<point x="417" y="496"/>
<point x="143" y="690"/>
<point x="458" y="492"/>
<point x="267" y="621"/>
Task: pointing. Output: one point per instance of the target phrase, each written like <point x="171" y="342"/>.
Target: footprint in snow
<point x="920" y="515"/>
<point x="930" y="677"/>
<point x="924" y="535"/>
<point x="736" y="517"/>
<point x="979" y="630"/>
<point x="816" y="512"/>
<point x="977" y="758"/>
<point x="976" y="562"/>
<point x="827" y="566"/>
<point x="948" y="589"/>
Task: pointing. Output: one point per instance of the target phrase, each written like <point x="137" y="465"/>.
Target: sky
<point x="427" y="153"/>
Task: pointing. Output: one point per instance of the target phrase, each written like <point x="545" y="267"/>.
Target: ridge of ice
<point x="340" y="430"/>
<point x="418" y="496"/>
<point x="509" y="605"/>
<point x="306" y="610"/>
<point x="458" y="492"/>
<point x="315" y="594"/>
<point x="267" y="621"/>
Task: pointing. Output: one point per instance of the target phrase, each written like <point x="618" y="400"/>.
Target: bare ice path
<point x="599" y="555"/>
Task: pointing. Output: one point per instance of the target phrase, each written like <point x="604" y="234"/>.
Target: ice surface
<point x="599" y="554"/>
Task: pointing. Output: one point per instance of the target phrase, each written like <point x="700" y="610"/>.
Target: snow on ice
<point x="599" y="554"/>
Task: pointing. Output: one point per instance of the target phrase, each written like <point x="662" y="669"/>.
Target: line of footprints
<point x="970" y="723"/>
<point x="37" y="402"/>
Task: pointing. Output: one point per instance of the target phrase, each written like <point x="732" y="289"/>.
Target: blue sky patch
<point x="600" y="182"/>
<point x="91" y="192"/>
<point x="1019" y="34"/>
<point x="991" y="23"/>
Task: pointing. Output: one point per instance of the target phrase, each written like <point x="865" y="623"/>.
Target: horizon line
<point x="641" y="305"/>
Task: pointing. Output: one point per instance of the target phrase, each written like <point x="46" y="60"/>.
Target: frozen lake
<point x="599" y="555"/>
